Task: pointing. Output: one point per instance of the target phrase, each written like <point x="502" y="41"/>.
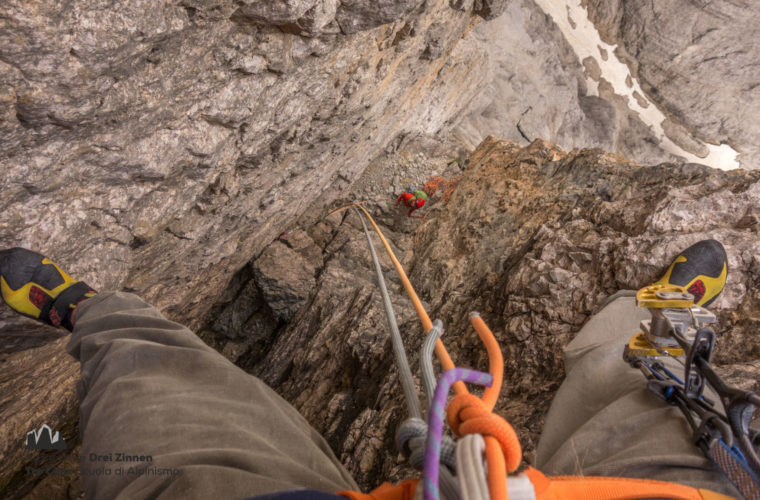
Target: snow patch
<point x="572" y="19"/>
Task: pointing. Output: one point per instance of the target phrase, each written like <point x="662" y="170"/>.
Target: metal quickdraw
<point x="678" y="330"/>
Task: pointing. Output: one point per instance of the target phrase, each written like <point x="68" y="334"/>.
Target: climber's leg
<point x="603" y="420"/>
<point x="151" y="388"/>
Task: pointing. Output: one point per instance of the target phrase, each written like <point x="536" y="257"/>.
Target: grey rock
<point x="359" y="15"/>
<point x="230" y="321"/>
<point x="434" y="42"/>
<point x="698" y="61"/>
<point x="320" y="16"/>
<point x="37" y="386"/>
<point x="277" y="12"/>
<point x="684" y="140"/>
<point x="490" y="9"/>
<point x="284" y="278"/>
<point x="461" y="4"/>
<point x="536" y="88"/>
<point x="308" y="18"/>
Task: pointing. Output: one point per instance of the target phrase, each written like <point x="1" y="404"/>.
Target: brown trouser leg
<point x="603" y="420"/>
<point x="150" y="387"/>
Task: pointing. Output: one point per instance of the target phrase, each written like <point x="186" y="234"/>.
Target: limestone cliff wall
<point x="158" y="146"/>
<point x="698" y="61"/>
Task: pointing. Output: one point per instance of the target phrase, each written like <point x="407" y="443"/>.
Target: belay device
<point x="678" y="329"/>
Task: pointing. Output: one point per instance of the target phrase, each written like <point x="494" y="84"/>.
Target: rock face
<point x="158" y="146"/>
<point x="537" y="89"/>
<point x="175" y="141"/>
<point x="533" y="238"/>
<point x="696" y="60"/>
<point x="37" y="386"/>
<point x="167" y="148"/>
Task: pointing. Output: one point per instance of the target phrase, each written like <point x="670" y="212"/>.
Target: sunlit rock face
<point x="158" y="146"/>
<point x="699" y="61"/>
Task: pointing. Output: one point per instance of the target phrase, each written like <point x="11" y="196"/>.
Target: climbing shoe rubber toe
<point x="34" y="286"/>
<point x="701" y="269"/>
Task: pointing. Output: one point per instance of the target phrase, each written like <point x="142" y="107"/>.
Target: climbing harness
<point x="678" y="330"/>
<point x="487" y="438"/>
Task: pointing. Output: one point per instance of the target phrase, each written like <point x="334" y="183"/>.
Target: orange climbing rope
<point x="472" y="415"/>
<point x="440" y="350"/>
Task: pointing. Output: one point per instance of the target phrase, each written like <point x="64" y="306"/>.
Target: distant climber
<point x="414" y="199"/>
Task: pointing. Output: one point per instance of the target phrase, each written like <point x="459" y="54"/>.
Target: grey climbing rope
<point x="411" y="435"/>
<point x="410" y="440"/>
<point x="426" y="360"/>
<point x="407" y="381"/>
<point x="413" y="431"/>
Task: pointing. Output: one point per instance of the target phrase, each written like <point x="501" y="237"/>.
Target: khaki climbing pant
<point x="163" y="414"/>
<point x="604" y="422"/>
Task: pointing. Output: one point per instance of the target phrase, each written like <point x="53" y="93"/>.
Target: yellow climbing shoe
<point x="701" y="269"/>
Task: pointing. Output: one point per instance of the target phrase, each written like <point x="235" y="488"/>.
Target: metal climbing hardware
<point x="671" y="307"/>
<point x="678" y="329"/>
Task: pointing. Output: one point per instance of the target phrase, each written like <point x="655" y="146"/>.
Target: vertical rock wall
<point x="699" y="61"/>
<point x="158" y="146"/>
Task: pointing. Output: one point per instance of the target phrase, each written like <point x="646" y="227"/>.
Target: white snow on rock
<point x="572" y="19"/>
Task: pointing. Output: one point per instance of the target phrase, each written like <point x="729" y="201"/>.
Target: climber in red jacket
<point x="414" y="199"/>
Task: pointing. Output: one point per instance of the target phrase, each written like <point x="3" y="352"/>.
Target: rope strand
<point x="405" y="373"/>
